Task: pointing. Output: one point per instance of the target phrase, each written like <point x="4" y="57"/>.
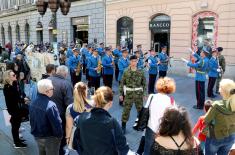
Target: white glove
<point x="218" y="70"/>
<point x="131" y="153"/>
<point x="190" y="50"/>
<point x="184" y="60"/>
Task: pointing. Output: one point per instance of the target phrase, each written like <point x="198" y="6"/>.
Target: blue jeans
<point x="219" y="146"/>
<point x="149" y="139"/>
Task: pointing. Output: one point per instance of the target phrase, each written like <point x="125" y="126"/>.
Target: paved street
<point x="184" y="96"/>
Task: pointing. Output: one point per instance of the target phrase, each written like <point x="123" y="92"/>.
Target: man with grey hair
<point x="46" y="127"/>
<point x="63" y="96"/>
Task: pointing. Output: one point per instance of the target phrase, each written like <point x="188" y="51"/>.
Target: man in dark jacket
<point x="63" y="96"/>
<point x="45" y="120"/>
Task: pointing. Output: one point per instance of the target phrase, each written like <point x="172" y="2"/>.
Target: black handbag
<point x="142" y="120"/>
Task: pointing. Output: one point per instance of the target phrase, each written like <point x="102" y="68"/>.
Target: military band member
<point x="140" y="60"/>
<point x="108" y="68"/>
<point x="94" y="69"/>
<point x="117" y="55"/>
<point x="222" y="66"/>
<point x="101" y="50"/>
<point x="201" y="67"/>
<point x="84" y="52"/>
<point x="213" y="73"/>
<point x="133" y="85"/>
<point x="75" y="66"/>
<point x="153" y="62"/>
<point x="163" y="65"/>
<point x="123" y="64"/>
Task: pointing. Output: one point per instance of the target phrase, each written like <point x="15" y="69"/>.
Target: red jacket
<point x="199" y="126"/>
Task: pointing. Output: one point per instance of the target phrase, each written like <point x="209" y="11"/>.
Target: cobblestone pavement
<point x="184" y="96"/>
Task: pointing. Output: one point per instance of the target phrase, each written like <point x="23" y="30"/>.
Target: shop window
<point x="17" y="32"/>
<point x="27" y="33"/>
<point x="125" y="32"/>
<point x="3" y="35"/>
<point x="205" y="30"/>
<point x="10" y="34"/>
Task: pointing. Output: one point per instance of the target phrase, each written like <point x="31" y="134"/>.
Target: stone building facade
<point x="177" y="24"/>
<point x="18" y="22"/>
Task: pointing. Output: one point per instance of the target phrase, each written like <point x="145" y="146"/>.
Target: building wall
<point x="181" y="13"/>
<point x="92" y="8"/>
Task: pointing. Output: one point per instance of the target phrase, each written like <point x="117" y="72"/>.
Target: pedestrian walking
<point x="46" y="127"/>
<point x="108" y="68"/>
<point x="133" y="85"/>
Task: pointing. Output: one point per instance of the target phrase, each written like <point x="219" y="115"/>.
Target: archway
<point x="17" y="32"/>
<point x="27" y="33"/>
<point x="160" y="32"/>
<point x="125" y="32"/>
<point x="10" y="34"/>
<point x="3" y="36"/>
<point x="205" y="29"/>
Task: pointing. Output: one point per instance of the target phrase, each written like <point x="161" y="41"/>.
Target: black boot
<point x="141" y="146"/>
<point x="124" y="127"/>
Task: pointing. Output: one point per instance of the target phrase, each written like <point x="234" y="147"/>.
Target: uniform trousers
<point x="219" y="78"/>
<point x="200" y="93"/>
<point x="108" y="80"/>
<point x="210" y="87"/>
<point x="130" y="98"/>
<point x="75" y="78"/>
<point x="152" y="80"/>
<point x="116" y="72"/>
<point x="162" y="74"/>
<point x="95" y="82"/>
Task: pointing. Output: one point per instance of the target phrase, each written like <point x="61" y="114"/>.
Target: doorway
<point x="160" y="40"/>
<point x="80" y="36"/>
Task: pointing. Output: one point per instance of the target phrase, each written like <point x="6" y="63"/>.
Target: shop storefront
<point x="177" y="24"/>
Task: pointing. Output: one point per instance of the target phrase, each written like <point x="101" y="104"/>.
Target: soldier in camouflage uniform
<point x="133" y="84"/>
<point x="222" y="66"/>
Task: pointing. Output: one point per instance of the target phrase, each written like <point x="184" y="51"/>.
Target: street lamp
<point x="53" y="5"/>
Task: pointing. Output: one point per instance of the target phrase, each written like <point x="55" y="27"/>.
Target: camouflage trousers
<point x="130" y="98"/>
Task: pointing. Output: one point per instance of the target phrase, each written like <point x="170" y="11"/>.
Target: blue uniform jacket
<point x="201" y="67"/>
<point x="45" y="118"/>
<point x="122" y="65"/>
<point x="92" y="64"/>
<point x="153" y="66"/>
<point x="107" y="65"/>
<point x="163" y="66"/>
<point x="73" y="62"/>
<point x="117" y="54"/>
<point x="84" y="53"/>
<point x="69" y="53"/>
<point x="140" y="64"/>
<point x="213" y="66"/>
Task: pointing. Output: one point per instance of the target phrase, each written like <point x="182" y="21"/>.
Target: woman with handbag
<point x="100" y="133"/>
<point x="220" y="120"/>
<point x="13" y="103"/>
<point x="74" y="110"/>
<point x="157" y="103"/>
<point x="174" y="136"/>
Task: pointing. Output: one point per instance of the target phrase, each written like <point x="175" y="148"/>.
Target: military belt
<point x="125" y="89"/>
<point x="201" y="72"/>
